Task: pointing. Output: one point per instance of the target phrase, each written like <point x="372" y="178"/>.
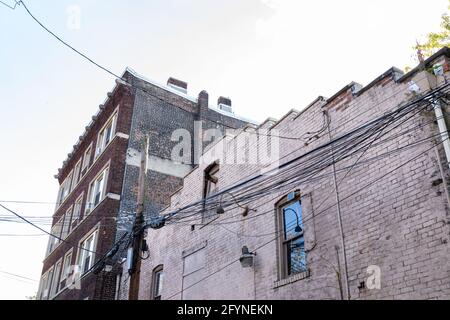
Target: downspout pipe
<point x="443" y="129"/>
<point x="339" y="218"/>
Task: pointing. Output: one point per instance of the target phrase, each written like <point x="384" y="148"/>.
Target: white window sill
<point x="292" y="279"/>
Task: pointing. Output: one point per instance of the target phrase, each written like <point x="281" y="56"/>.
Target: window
<point x="65" y="272"/>
<point x="56" y="232"/>
<point x="157" y="281"/>
<point x="66" y="221"/>
<point x="86" y="160"/>
<point x="42" y="286"/>
<point x="76" y="174"/>
<point x="96" y="191"/>
<point x="209" y="187"/>
<point x="46" y="284"/>
<point x="106" y="134"/>
<point x="86" y="252"/>
<point x="64" y="189"/>
<point x="211" y="179"/>
<point x="55" y="284"/>
<point x="193" y="272"/>
<point x="76" y="211"/>
<point x="292" y="244"/>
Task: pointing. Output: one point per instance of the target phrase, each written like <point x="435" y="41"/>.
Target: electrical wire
<point x="9" y="6"/>
<point x="299" y="182"/>
<point x="246" y="182"/>
<point x="48" y="233"/>
<point x="18" y="276"/>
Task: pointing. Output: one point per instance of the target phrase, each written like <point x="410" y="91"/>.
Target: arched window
<point x="292" y="241"/>
<point x="157" y="282"/>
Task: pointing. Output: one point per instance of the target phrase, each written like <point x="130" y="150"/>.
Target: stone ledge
<point x="292" y="279"/>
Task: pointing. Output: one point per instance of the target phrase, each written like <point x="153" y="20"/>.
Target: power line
<point x="9" y="6"/>
<point x="119" y="77"/>
<point x="68" y="45"/>
<point x="21" y="235"/>
<point x="289" y="186"/>
<point x="39" y="228"/>
<point x="16" y="275"/>
<point x="324" y="146"/>
<point x="302" y="181"/>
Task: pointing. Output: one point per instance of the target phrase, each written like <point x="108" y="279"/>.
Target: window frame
<point x="87" y="155"/>
<point x="81" y="259"/>
<point x="284" y="259"/>
<point x="89" y="205"/>
<point x="209" y="178"/>
<point x="157" y="282"/>
<point x="47" y="284"/>
<point x="65" y="229"/>
<point x="77" y="204"/>
<point x="65" y="275"/>
<point x="77" y="173"/>
<point x="101" y="137"/>
<point x="54" y="289"/>
<point x="53" y="241"/>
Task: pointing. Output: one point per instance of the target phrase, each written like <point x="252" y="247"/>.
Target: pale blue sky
<point x="268" y="56"/>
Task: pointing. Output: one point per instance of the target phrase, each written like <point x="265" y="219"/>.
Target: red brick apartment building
<point x="97" y="196"/>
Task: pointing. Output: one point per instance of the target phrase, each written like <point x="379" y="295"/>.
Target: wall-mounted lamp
<point x="221" y="210"/>
<point x="246" y="258"/>
<point x="297" y="228"/>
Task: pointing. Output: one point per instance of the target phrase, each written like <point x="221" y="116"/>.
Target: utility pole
<point x="138" y="231"/>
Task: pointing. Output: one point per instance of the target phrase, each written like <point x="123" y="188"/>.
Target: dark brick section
<point x="159" y="113"/>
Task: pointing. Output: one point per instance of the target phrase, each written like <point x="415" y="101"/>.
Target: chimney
<point x="224" y="104"/>
<point x="177" y="85"/>
<point x="203" y="102"/>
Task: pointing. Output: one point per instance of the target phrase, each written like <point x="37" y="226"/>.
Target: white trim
<point x="113" y="196"/>
<point x="56" y="276"/>
<point x="122" y="135"/>
<point x="88" y="201"/>
<point x="232" y="115"/>
<point x="70" y="251"/>
<point x="94" y="231"/>
<point x="113" y="121"/>
<point x="164" y="87"/>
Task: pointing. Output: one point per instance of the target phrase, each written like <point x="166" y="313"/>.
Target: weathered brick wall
<point x="399" y="222"/>
<point x="158" y="113"/>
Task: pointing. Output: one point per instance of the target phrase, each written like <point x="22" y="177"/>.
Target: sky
<point x="268" y="56"/>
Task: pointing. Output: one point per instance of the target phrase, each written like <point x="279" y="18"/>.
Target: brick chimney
<point x="177" y="84"/>
<point x="224" y="104"/>
<point x="203" y="102"/>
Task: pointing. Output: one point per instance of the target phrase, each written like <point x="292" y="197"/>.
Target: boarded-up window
<point x="193" y="273"/>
